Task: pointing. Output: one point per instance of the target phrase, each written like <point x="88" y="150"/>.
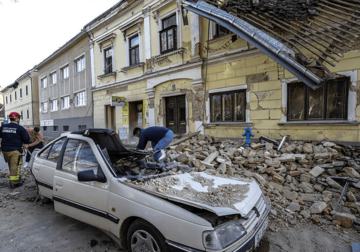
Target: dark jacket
<point x="13" y="137"/>
<point x="153" y="134"/>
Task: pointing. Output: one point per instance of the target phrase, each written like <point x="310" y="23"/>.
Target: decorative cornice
<point x="137" y="22"/>
<point x="197" y="84"/>
<point x="146" y="12"/>
<point x="150" y="92"/>
<point x="108" y="37"/>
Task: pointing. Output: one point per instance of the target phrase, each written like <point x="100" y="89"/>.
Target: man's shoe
<point x="26" y="164"/>
<point x="13" y="186"/>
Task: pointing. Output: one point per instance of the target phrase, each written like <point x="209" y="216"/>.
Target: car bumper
<point x="240" y="246"/>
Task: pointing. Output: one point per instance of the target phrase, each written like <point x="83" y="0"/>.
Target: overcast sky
<point x="31" y="30"/>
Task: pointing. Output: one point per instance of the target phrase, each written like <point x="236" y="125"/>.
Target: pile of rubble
<point x="304" y="180"/>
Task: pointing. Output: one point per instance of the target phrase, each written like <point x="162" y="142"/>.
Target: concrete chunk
<point x="317" y="171"/>
<point x="209" y="159"/>
<point x="351" y="172"/>
<point x="317" y="207"/>
<point x="333" y="183"/>
<point x="346" y="220"/>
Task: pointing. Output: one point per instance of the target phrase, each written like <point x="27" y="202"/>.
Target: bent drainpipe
<point x="267" y="44"/>
<point x="32" y="102"/>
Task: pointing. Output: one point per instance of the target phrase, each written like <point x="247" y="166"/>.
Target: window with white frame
<point x="65" y="72"/>
<point x="53" y="78"/>
<point x="80" y="64"/>
<point x="80" y="99"/>
<point x="53" y="105"/>
<point x="108" y="60"/>
<point x="6" y="100"/>
<point x="10" y="98"/>
<point x="134" y="50"/>
<point x="168" y="34"/>
<point x="22" y="115"/>
<point x="329" y="102"/>
<point x="15" y="96"/>
<point x="228" y="106"/>
<point x="26" y="90"/>
<point x="28" y="114"/>
<point x="43" y="83"/>
<point x="21" y="94"/>
<point x="65" y="102"/>
<point x="44" y="107"/>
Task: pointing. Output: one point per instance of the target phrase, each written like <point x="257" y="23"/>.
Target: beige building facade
<point x="22" y="97"/>
<point x="153" y="56"/>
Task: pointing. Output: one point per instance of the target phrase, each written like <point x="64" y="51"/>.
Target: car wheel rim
<point x="142" y="241"/>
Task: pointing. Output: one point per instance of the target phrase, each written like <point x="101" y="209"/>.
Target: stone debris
<point x="296" y="178"/>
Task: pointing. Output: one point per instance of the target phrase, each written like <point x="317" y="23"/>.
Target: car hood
<point x="204" y="191"/>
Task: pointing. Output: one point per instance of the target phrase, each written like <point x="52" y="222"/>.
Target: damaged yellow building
<point x="150" y="69"/>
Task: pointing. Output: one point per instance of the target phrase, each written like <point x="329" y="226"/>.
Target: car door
<point x="44" y="167"/>
<point x="84" y="201"/>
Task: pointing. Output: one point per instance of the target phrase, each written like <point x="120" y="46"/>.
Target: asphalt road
<point x="26" y="225"/>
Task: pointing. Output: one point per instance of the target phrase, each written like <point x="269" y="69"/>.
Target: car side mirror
<point x="89" y="175"/>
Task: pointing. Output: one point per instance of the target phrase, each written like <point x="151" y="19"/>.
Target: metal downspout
<point x="32" y="102"/>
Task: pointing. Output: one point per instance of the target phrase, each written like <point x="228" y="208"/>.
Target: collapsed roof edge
<point x="267" y="44"/>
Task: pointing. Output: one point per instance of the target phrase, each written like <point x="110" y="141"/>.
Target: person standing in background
<point x="14" y="138"/>
<point x="35" y="142"/>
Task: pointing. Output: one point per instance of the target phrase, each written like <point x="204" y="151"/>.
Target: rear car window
<point x="53" y="151"/>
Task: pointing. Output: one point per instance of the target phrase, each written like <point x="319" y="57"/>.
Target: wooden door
<point x="176" y="114"/>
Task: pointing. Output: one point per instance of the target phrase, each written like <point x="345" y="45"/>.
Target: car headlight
<point x="223" y="235"/>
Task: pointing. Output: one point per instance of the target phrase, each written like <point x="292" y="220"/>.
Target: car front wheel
<point x="142" y="236"/>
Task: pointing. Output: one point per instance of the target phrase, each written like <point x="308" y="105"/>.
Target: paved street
<point x="29" y="226"/>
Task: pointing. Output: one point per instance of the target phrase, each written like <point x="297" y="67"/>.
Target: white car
<point x="89" y="174"/>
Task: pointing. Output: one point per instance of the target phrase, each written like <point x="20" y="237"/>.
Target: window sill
<point x="125" y="69"/>
<point x="162" y="56"/>
<point x="106" y="75"/>
<point x="79" y="72"/>
<point x="65" y="108"/>
<point x="227" y="124"/>
<point x="320" y="123"/>
<point x="80" y="106"/>
<point x="227" y="36"/>
<point x="52" y="84"/>
<point x="53" y="111"/>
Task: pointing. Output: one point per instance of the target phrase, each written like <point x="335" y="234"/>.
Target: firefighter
<point x="14" y="137"/>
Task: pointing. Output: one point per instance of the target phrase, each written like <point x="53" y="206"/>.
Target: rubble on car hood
<point x="213" y="192"/>
<point x="300" y="179"/>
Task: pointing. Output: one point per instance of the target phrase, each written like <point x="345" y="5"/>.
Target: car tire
<point x="142" y="236"/>
<point x="43" y="199"/>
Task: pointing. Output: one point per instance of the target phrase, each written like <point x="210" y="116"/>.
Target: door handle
<point x="59" y="184"/>
<point x="36" y="168"/>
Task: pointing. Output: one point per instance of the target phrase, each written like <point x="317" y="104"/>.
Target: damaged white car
<point x="144" y="206"/>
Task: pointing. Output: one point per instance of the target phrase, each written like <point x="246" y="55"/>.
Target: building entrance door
<point x="110" y="117"/>
<point x="176" y="114"/>
<point x="136" y="116"/>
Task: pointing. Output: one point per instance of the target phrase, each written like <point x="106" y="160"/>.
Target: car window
<point x="45" y="153"/>
<point x="55" y="150"/>
<point x="78" y="156"/>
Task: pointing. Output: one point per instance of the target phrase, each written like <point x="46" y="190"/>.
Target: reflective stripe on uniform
<point x="14" y="177"/>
